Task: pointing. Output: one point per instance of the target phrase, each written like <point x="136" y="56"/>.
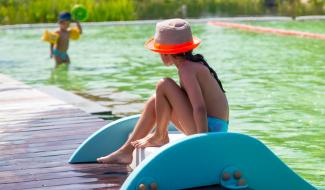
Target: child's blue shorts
<point x="217" y="125"/>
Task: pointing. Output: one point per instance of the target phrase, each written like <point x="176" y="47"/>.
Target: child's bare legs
<point x="173" y="104"/>
<point x="145" y="124"/>
<point x="59" y="61"/>
<point x="163" y="111"/>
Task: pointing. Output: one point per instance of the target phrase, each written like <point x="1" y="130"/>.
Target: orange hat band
<point x="172" y="49"/>
<point x="175" y="46"/>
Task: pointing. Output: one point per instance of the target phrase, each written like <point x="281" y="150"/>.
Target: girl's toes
<point x="134" y="143"/>
<point x="141" y="145"/>
<point x="99" y="160"/>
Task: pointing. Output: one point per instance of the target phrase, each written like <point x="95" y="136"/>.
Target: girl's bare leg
<point x="144" y="125"/>
<point x="58" y="61"/>
<point x="171" y="103"/>
<point x="163" y="112"/>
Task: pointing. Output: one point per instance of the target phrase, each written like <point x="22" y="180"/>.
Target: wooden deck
<point x="38" y="134"/>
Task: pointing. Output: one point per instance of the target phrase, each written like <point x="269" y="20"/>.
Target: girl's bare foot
<point x="152" y="140"/>
<point x="117" y="157"/>
<point x="135" y="143"/>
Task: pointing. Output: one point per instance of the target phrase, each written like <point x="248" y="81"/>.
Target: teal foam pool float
<point x="195" y="161"/>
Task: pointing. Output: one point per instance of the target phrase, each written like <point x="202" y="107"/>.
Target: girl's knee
<point x="165" y="82"/>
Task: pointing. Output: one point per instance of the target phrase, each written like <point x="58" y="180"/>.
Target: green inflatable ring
<point x="79" y="12"/>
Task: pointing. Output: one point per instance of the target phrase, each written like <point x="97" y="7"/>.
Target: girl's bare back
<point x="215" y="100"/>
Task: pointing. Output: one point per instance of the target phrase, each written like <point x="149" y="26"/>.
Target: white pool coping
<point x="140" y="22"/>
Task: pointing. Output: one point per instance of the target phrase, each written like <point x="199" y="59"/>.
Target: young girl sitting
<point x="197" y="105"/>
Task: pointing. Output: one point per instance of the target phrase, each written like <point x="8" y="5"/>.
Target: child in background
<point x="59" y="48"/>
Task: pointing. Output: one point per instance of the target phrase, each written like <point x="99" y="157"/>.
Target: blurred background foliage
<point x="43" y="11"/>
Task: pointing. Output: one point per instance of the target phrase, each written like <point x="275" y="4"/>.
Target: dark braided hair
<point x="199" y="58"/>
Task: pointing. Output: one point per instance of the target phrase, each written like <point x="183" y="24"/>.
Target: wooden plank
<point x="83" y="168"/>
<point x="26" y="128"/>
<point x="47" y="110"/>
<point x="39" y="154"/>
<point x="84" y="125"/>
<point x="33" y="161"/>
<point x="28" y="150"/>
<point x="73" y="99"/>
<point x="57" y="175"/>
<point x="61" y="181"/>
<point x="44" y="115"/>
<point x="77" y="122"/>
<point x="45" y="135"/>
<point x="86" y="186"/>
<point x="38" y="140"/>
<point x="43" y="165"/>
<point x="73" y="122"/>
<point x="40" y="145"/>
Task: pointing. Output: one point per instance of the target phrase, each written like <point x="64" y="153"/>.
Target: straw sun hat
<point x="172" y="36"/>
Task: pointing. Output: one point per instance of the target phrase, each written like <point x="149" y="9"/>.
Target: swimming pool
<point x="275" y="84"/>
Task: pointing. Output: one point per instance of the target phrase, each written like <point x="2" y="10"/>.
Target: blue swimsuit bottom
<point x="61" y="54"/>
<point x="217" y="125"/>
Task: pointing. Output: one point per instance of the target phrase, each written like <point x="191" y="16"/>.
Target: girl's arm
<point x="194" y="93"/>
<point x="79" y="26"/>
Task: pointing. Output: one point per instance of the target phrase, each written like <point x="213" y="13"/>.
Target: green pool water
<point x="275" y="84"/>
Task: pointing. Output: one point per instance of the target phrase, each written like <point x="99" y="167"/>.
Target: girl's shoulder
<point x="198" y="67"/>
<point x="193" y="68"/>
